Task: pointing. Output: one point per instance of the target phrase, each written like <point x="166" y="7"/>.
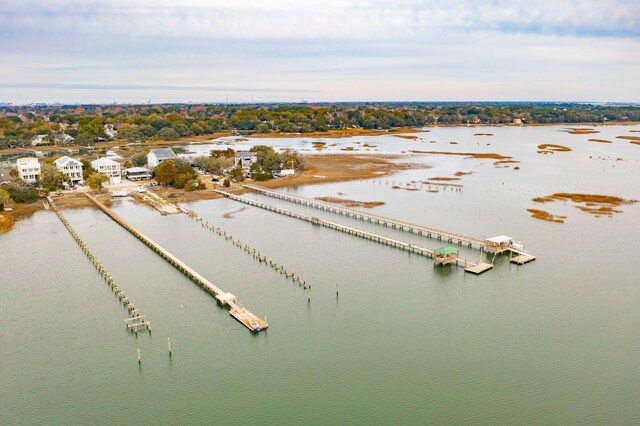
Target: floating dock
<point x="481" y="267"/>
<point x="521" y="259"/>
<point x="226" y="299"/>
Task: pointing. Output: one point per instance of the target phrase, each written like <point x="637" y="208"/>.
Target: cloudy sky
<point x="318" y="50"/>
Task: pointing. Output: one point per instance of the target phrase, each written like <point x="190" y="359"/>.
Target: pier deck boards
<point x="522" y="259"/>
<point x="223" y="297"/>
<point x="478" y="269"/>
<point x="347" y="229"/>
<point x="369" y="217"/>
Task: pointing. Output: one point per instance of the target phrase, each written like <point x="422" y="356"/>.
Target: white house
<point x="40" y="140"/>
<point x="109" y="168"/>
<point x="110" y="131"/>
<point x="137" y="173"/>
<point x="246" y="159"/>
<point x="155" y="157"/>
<point x="29" y="169"/>
<point x="70" y="167"/>
<point x="63" y="139"/>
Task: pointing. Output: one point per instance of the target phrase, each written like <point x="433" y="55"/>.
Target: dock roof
<point x="500" y="239"/>
<point x="446" y="250"/>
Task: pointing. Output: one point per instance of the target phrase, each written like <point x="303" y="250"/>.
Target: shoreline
<point x="321" y="168"/>
<point x="329" y="134"/>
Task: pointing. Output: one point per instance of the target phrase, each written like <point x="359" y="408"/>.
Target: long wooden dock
<point x="248" y="319"/>
<point x="136" y="320"/>
<point x="373" y="218"/>
<point x="468" y="265"/>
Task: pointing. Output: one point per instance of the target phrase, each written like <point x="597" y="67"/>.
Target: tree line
<point x="86" y="123"/>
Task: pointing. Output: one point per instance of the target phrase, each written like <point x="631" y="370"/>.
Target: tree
<point x="21" y="192"/>
<point x="236" y="174"/>
<point x="5" y="198"/>
<point x="87" y="169"/>
<point x="167" y="134"/>
<point x="139" y="160"/>
<point x="268" y="159"/>
<point x="214" y="165"/>
<point x="291" y="158"/>
<point x="175" y="173"/>
<point x="96" y="180"/>
<point x="130" y="132"/>
<point x="52" y="178"/>
<point x="226" y="183"/>
<point x="165" y="173"/>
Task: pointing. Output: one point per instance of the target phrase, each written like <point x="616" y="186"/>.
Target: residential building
<point x="137" y="173"/>
<point x="110" y="131"/>
<point x="109" y="168"/>
<point x="155" y="157"/>
<point x="42" y="139"/>
<point x="29" y="169"/>
<point x="246" y="159"/>
<point x="70" y="167"/>
<point x="63" y="139"/>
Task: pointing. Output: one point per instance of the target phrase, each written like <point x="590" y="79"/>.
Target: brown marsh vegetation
<point x="351" y="203"/>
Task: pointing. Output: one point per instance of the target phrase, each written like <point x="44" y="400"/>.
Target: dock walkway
<point x="136" y="320"/>
<point x="368" y="217"/>
<point x="248" y="319"/>
<point x="468" y="265"/>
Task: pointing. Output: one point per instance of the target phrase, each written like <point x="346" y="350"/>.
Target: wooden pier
<point x="450" y="237"/>
<point x="249" y="320"/>
<point x="468" y="265"/>
<point x="368" y="217"/>
<point x="136" y="321"/>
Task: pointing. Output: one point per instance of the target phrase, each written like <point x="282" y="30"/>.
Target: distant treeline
<point x="86" y="123"/>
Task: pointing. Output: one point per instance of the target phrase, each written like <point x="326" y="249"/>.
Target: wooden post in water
<point x="139" y="362"/>
<point x="337" y="289"/>
<point x="169" y="345"/>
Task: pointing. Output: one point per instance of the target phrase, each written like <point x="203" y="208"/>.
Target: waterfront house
<point x="137" y="173"/>
<point x="109" y="168"/>
<point x="29" y="169"/>
<point x="70" y="167"/>
<point x="155" y="157"/>
<point x="245" y="159"/>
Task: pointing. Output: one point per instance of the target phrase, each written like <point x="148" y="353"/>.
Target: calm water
<point x="555" y="341"/>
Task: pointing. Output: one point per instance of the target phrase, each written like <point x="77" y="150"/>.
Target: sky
<point x="319" y="50"/>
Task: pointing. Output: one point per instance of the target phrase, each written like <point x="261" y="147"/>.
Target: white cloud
<point x="420" y="49"/>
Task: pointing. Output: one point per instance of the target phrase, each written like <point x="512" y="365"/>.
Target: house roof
<point x="163" y="153"/>
<point x="63" y="136"/>
<point x="27" y="160"/>
<point x="104" y="161"/>
<point x="446" y="250"/>
<point x="137" y="170"/>
<point x="5" y="176"/>
<point x="500" y="239"/>
<point x="245" y="154"/>
<point x="67" y="160"/>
